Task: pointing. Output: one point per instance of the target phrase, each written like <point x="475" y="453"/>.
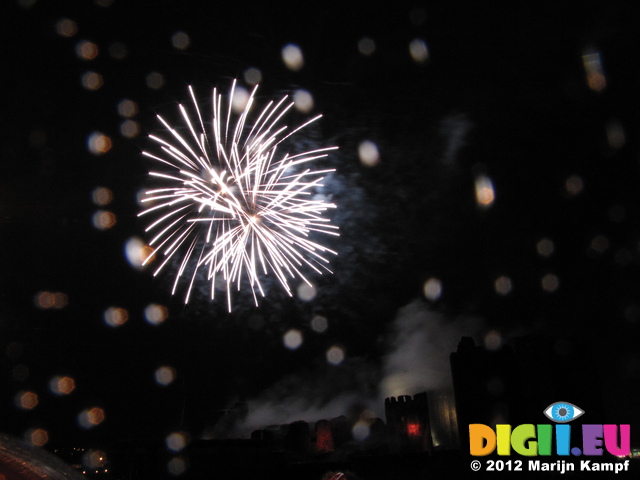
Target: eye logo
<point x="563" y="412"/>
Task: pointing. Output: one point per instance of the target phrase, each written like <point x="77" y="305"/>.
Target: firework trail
<point x="231" y="205"/>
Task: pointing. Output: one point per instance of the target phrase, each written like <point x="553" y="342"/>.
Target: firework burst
<point x="230" y="205"/>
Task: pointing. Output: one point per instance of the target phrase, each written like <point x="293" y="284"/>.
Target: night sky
<point x="504" y="202"/>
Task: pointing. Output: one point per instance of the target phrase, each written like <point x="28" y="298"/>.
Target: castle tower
<point x="408" y="427"/>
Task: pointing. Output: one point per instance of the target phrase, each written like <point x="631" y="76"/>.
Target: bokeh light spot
<point x="127" y="108"/>
<point x="292" y="57"/>
<point x="292" y="339"/>
<point x="493" y="340"/>
<point x="86" y="50"/>
<point x="98" y="143"/>
<point x="101" y="196"/>
<point x="366" y="46"/>
<point x="319" y="323"/>
<point x="485" y="194"/>
<point x="252" y="76"/>
<point x="103" y="219"/>
<point x="92" y="80"/>
<point x="180" y="40"/>
<point x="574" y="185"/>
<point x="26" y="400"/>
<point x="115" y="316"/>
<point x="368" y="153"/>
<point x="303" y="100"/>
<point x="177" y="466"/>
<point x="46" y="300"/>
<point x="91" y="417"/>
<point x="361" y="431"/>
<point x="335" y="355"/>
<point x="129" y="129"/>
<point x="418" y="50"/>
<point x="599" y="244"/>
<point x="615" y="134"/>
<point x="503" y="285"/>
<point x="240" y="99"/>
<point x="155" y="314"/>
<point x="550" y="282"/>
<point x="432" y="289"/>
<point x="592" y="62"/>
<point x="66" y="28"/>
<point x="306" y="292"/>
<point x="37" y="437"/>
<point x="62" y="385"/>
<point x="20" y="373"/>
<point x="155" y="80"/>
<point x="177" y="441"/>
<point x="545" y="247"/>
<point x="165" y="375"/>
<point x="138" y="253"/>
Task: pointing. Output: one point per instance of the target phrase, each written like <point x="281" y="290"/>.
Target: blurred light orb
<point x="92" y="80"/>
<point x="592" y="62"/>
<point x="103" y="219"/>
<point x="127" y="108"/>
<point x="101" y="196"/>
<point x="550" y="283"/>
<point x="176" y="441"/>
<point x="155" y="80"/>
<point x="366" y="46"/>
<point x="574" y="185"/>
<point x="180" y="40"/>
<point x="26" y="400"/>
<point x="599" y="244"/>
<point x="98" y="143"/>
<point x="545" y="247"/>
<point x="155" y="314"/>
<point x="303" y="100"/>
<point x="37" y="437"/>
<point x="292" y="339"/>
<point x="335" y="355"/>
<point x="62" y="385"/>
<point x="252" y="76"/>
<point x="432" y="289"/>
<point x="55" y="300"/>
<point x="129" y="128"/>
<point x="240" y="99"/>
<point x="503" y="285"/>
<point x="485" y="194"/>
<point x="319" y="323"/>
<point x="165" y="376"/>
<point x="368" y="153"/>
<point x="306" y="292"/>
<point x="86" y="50"/>
<point x="418" y="50"/>
<point x="292" y="57"/>
<point x="115" y="316"/>
<point x="360" y="431"/>
<point x="493" y="340"/>
<point x="136" y="252"/>
<point x="66" y="28"/>
<point x="177" y="466"/>
<point x="615" y="134"/>
<point x="91" y="417"/>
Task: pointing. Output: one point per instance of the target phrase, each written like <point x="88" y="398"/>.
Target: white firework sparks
<point x="231" y="205"/>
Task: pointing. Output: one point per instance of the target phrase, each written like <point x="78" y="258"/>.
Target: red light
<point x="413" y="429"/>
